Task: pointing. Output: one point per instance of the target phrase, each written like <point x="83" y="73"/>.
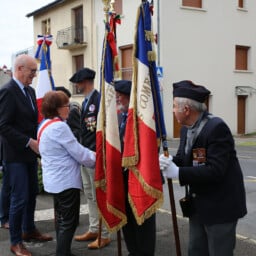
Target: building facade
<point x="5" y="75"/>
<point x="208" y="42"/>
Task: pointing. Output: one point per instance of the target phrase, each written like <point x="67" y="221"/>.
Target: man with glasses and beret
<point x="18" y="128"/>
<point x="207" y="164"/>
<point x="84" y="80"/>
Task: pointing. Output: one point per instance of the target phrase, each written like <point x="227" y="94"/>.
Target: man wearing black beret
<point x="207" y="164"/>
<point x="84" y="80"/>
<point x="73" y="119"/>
<point x="139" y="239"/>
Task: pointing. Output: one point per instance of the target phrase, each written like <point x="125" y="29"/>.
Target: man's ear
<point x="186" y="109"/>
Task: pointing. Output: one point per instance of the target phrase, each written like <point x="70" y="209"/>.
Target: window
<point x="78" y="25"/>
<point x="46" y="27"/>
<point x="241" y="3"/>
<point x="118" y="6"/>
<point x="78" y="62"/>
<point x="126" y="62"/>
<point x="242" y="57"/>
<point x="192" y="3"/>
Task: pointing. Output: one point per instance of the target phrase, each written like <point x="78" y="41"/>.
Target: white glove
<point x="168" y="167"/>
<point x="164" y="161"/>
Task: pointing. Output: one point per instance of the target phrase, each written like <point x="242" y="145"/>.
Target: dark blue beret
<point x="83" y="74"/>
<point x="63" y="89"/>
<point x="123" y="86"/>
<point x="187" y="89"/>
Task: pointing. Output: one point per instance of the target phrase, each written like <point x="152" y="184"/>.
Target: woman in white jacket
<point x="61" y="158"/>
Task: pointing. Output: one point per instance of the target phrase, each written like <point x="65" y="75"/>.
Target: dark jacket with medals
<point x="89" y="121"/>
<point x="213" y="173"/>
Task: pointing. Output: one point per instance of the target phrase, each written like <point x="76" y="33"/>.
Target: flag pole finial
<point x="112" y="9"/>
<point x="106" y="6"/>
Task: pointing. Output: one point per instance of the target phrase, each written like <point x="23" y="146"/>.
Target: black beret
<point x="63" y="89"/>
<point x="123" y="86"/>
<point x="187" y="89"/>
<point x="82" y="74"/>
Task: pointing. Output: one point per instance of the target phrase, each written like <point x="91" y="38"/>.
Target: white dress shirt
<point x="61" y="157"/>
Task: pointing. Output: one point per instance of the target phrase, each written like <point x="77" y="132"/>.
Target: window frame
<point x="242" y="58"/>
<point x="192" y="4"/>
<point x="78" y="63"/>
<point x="46" y="26"/>
<point x="126" y="54"/>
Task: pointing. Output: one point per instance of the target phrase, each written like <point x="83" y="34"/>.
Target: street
<point x="247" y="157"/>
<point x="165" y="245"/>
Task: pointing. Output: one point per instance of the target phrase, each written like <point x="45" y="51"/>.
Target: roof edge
<point x="45" y="8"/>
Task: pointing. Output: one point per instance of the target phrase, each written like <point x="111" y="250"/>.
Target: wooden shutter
<point x="241" y="107"/>
<point x="118" y="6"/>
<point x="192" y="3"/>
<point x="242" y="57"/>
<point x="79" y="64"/>
<point x="241" y="3"/>
<point x="46" y="27"/>
<point x="78" y="14"/>
<point x="126" y="59"/>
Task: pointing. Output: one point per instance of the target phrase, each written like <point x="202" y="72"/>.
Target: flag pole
<point x="118" y="234"/>
<point x="170" y="184"/>
<point x="108" y="6"/>
<point x="105" y="9"/>
<point x="162" y="135"/>
<point x="44" y="49"/>
<point x="173" y="208"/>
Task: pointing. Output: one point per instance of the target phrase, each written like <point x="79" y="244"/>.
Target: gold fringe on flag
<point x="151" y="56"/>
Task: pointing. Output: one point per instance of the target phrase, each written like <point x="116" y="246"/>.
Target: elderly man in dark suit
<point x="206" y="163"/>
<point x="18" y="127"/>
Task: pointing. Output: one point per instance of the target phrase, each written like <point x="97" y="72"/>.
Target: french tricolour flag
<point x="108" y="174"/>
<point x="140" y="144"/>
<point x="45" y="81"/>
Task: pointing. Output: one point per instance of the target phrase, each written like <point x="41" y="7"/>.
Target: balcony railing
<point x="70" y="38"/>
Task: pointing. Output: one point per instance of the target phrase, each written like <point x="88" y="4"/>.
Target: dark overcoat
<point x="216" y="185"/>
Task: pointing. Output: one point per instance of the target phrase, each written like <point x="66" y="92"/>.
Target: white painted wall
<point x="198" y="45"/>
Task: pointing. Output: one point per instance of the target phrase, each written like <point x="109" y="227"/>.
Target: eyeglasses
<point x="32" y="70"/>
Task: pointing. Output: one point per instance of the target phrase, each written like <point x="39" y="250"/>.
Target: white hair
<point x="22" y="60"/>
<point x="197" y="106"/>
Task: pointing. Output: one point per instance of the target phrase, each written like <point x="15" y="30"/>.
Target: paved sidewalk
<point x="165" y="240"/>
<point x="164" y="245"/>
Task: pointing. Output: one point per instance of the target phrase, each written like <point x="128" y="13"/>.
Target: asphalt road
<point x="165" y="245"/>
<point x="247" y="157"/>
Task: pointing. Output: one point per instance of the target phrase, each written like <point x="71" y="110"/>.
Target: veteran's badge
<point x="199" y="156"/>
<point x="90" y="123"/>
<point x="92" y="108"/>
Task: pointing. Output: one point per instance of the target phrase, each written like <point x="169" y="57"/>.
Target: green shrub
<point x="40" y="178"/>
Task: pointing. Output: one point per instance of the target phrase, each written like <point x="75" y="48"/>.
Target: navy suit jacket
<point x="18" y="123"/>
<point x="216" y="187"/>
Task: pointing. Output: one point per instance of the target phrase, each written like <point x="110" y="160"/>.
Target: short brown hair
<point x="51" y="102"/>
